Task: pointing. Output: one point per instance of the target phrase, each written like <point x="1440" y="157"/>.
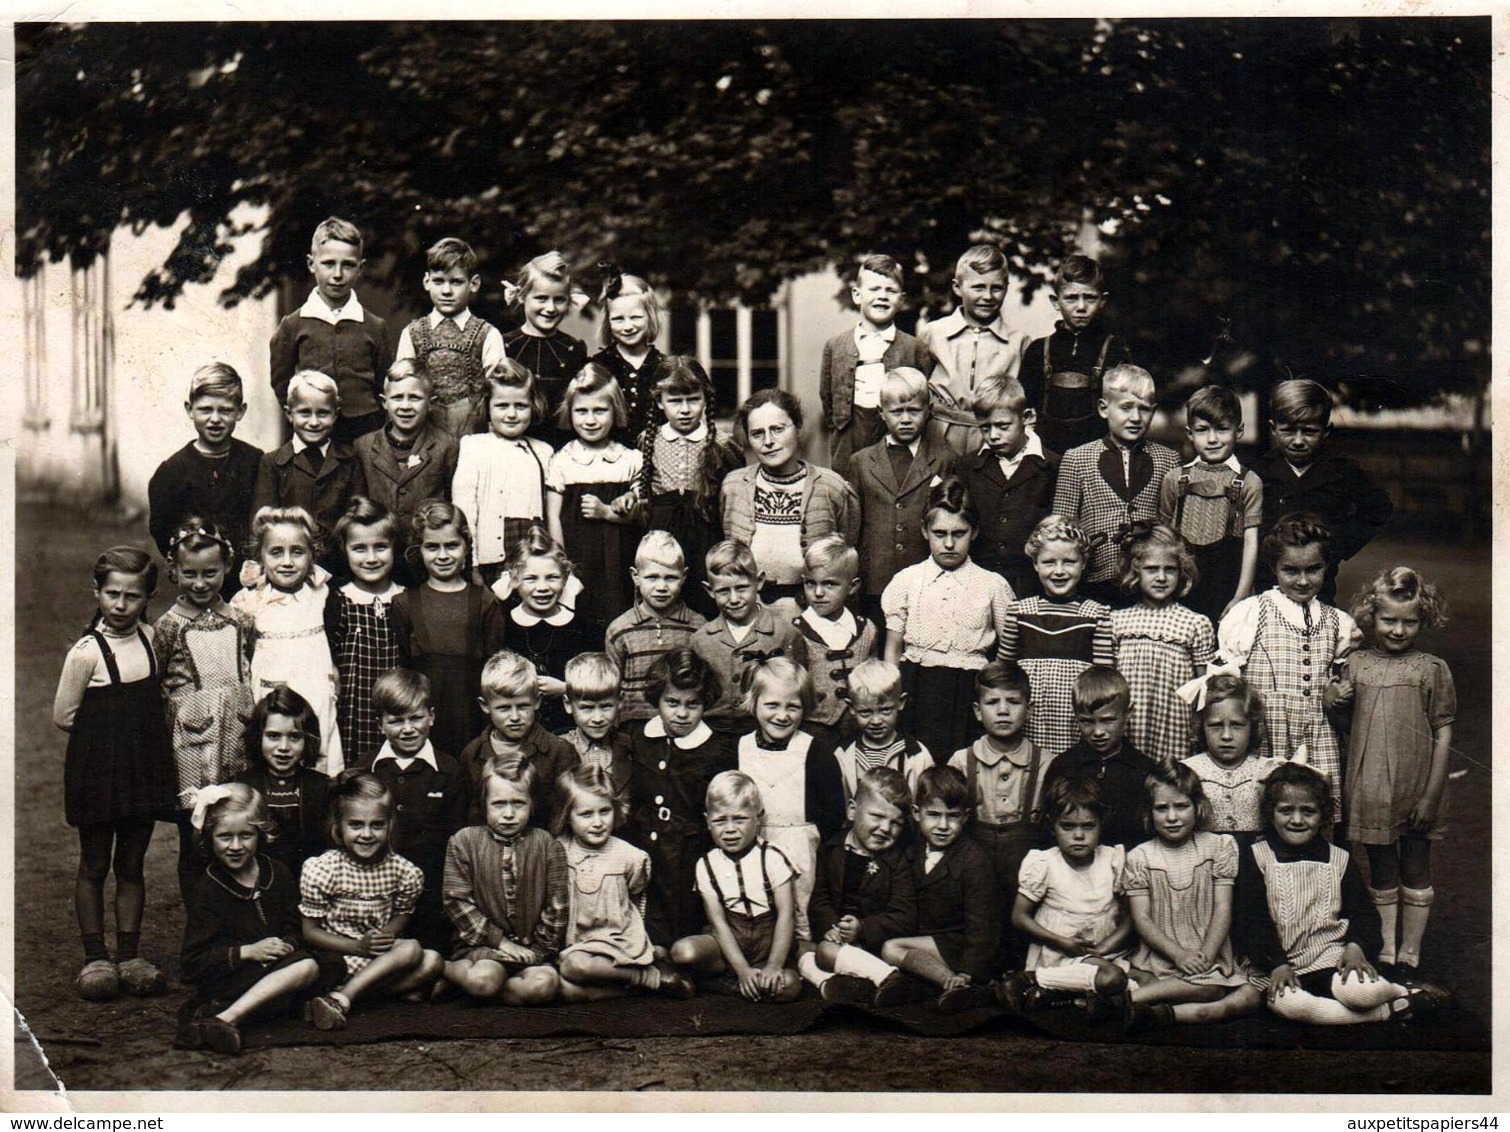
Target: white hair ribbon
<point x="206" y="797"/>
<point x="510" y="293"/>
<point x="1193" y="692"/>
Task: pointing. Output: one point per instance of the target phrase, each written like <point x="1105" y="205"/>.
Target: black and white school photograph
<point x="753" y="555"/>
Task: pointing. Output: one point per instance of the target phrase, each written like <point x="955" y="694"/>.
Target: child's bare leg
<point x="283" y="982"/>
<point x="431" y="967"/>
<point x="699" y="954"/>
<point x="1176" y="990"/>
<point x="533" y="986"/>
<point x="480" y="978"/>
<point x="583" y="992"/>
<point x="918" y="955"/>
<point x="401" y="959"/>
<point x="95" y="842"/>
<point x="826" y="953"/>
<point x="791" y="986"/>
<point x="1242" y="1000"/>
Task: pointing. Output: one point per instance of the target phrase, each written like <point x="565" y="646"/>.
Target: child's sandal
<point x="326" y="1013"/>
<point x="1420" y="1000"/>
<point x="99" y="981"/>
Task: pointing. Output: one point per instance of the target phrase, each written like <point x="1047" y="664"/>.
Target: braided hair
<point x="683" y="374"/>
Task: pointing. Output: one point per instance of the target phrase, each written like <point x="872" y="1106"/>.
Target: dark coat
<point x="885" y="903"/>
<point x="1009" y="510"/>
<point x="402" y="484"/>
<point x="283" y="481"/>
<point x="959" y="897"/>
<point x="891" y="514"/>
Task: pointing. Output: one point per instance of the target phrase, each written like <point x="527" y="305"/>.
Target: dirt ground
<point x="125" y="1045"/>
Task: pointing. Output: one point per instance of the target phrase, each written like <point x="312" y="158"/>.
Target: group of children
<point x="958" y="718"/>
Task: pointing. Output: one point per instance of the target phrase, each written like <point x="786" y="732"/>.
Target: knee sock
<point x="1413" y="916"/>
<point x="94" y="947"/>
<point x="1387" y="901"/>
<point x="126" y="945"/>
<point x="1077" y="977"/>
<point x="1364" y="994"/>
<point x="853" y="960"/>
<point x="1302" y="1006"/>
<point x="807" y="967"/>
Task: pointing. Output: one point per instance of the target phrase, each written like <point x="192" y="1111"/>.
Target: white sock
<point x="1363" y="994"/>
<point x="1078" y="977"/>
<point x="1415" y="910"/>
<point x="807" y="967"/>
<point x="853" y="960"/>
<point x="1302" y="1006"/>
<point x="1387" y="901"/>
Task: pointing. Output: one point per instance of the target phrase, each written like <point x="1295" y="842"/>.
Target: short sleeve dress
<point x="1071" y="902"/>
<point x="350" y="897"/>
<point x="1398" y="702"/>
<point x="1180" y="882"/>
<point x="1158" y="650"/>
<point x="607" y="888"/>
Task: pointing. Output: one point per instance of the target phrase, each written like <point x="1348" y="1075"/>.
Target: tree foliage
<point x="1322" y="184"/>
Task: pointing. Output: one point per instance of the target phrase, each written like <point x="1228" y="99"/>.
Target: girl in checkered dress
<point x="1160" y="644"/>
<point x="1057" y="636"/>
<point x="1286" y="641"/>
<point x="356" y="901"/>
<point x="358" y="624"/>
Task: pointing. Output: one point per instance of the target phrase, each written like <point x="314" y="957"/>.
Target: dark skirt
<point x="602" y="552"/>
<point x="221" y="992"/>
<point x="673" y="909"/>
<point x="455" y="685"/>
<point x="120" y="759"/>
<point x="675" y="513"/>
<point x="938" y="708"/>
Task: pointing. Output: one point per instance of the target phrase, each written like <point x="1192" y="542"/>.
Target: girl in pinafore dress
<point x="286" y="594"/>
<point x="204" y="649"/>
<point x="684" y="460"/>
<point x="118" y="778"/>
<point x="1160" y="644"/>
<point x="607" y="951"/>
<point x="631" y="324"/>
<point x="1179" y="886"/>
<point x="1057" y="636"/>
<point x="590" y="493"/>
<point x="797" y="773"/>
<point x="358" y="623"/>
<point x="1403" y="704"/>
<point x="1286" y="641"/>
<point x="447" y="627"/>
<point x="1067" y="904"/>
<point x="543" y="290"/>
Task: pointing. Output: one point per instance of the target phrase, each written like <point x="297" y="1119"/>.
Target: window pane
<point x="725" y="368"/>
<point x="684" y="329"/>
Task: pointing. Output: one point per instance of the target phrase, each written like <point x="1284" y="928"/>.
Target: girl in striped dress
<point x="1057" y="636"/>
<point x="358" y="624"/>
<point x="1286" y="641"/>
<point x="1160" y="644"/>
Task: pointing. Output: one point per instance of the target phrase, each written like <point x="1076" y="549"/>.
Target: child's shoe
<point x="957" y="1000"/>
<point x="674" y="984"/>
<point x="1422" y="999"/>
<point x="1100" y="1005"/>
<point x="849" y="989"/>
<point x="220" y="1035"/>
<point x="1138" y="1017"/>
<point x="141" y="979"/>
<point x="99" y="981"/>
<point x="1012" y="992"/>
<point x="327" y="1013"/>
<point x="895" y="990"/>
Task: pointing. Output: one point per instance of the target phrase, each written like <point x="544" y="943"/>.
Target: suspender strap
<point x="1030" y="788"/>
<point x="1182" y="491"/>
<point x="108" y="656"/>
<point x="765" y="879"/>
<point x="718" y="889"/>
<point x="1100" y="366"/>
<point x="1234" y="498"/>
<point x="974" y="766"/>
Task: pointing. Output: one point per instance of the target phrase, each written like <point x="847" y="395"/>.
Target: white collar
<point x="522" y="616"/>
<point x="316" y="307"/>
<point x="912" y="448"/>
<point x="461" y="319"/>
<point x="655" y="728"/>
<point x="854" y="846"/>
<point x="696" y="436"/>
<point x="425" y="754"/>
<point x="836" y="633"/>
<point x="1230" y="462"/>
<point x="580" y="454"/>
<point x="357" y="594"/>
<point x="1033" y="447"/>
<point x="866" y="330"/>
<point x="301" y="445"/>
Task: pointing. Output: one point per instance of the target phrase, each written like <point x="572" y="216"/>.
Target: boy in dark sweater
<point x="431" y="794"/>
<point x="959" y="910"/>
<point x="214" y="474"/>
<point x="1299" y="476"/>
<point x="863" y="895"/>
<point x="1103" y="701"/>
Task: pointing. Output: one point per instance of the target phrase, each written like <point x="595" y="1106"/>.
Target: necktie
<point x="1306" y="610"/>
<point x="901" y="462"/>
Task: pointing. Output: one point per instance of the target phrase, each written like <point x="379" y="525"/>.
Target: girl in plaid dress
<point x="1160" y="644"/>
<point x="356" y="901"/>
<point x="1286" y="641"/>
<point x="1057" y="636"/>
<point x="358" y="624"/>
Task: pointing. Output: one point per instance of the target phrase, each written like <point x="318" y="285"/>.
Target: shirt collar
<point x="580" y="454"/>
<point x="425" y="754"/>
<point x="315" y="307"/>
<point x="461" y="319"/>
<point x="1032" y="447"/>
<point x="866" y="330"/>
<point x="522" y="616"/>
<point x="837" y="632"/>
<point x="696" y="436"/>
<point x="957" y="324"/>
<point x="357" y="594"/>
<point x="1230" y="462"/>
<point x="643" y="612"/>
<point x="854" y="846"/>
<point x="301" y="445"/>
<point x="990" y="756"/>
<point x="655" y="728"/>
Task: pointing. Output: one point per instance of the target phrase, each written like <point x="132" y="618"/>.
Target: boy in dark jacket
<point x="863" y="895"/>
<point x="959" y="910"/>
